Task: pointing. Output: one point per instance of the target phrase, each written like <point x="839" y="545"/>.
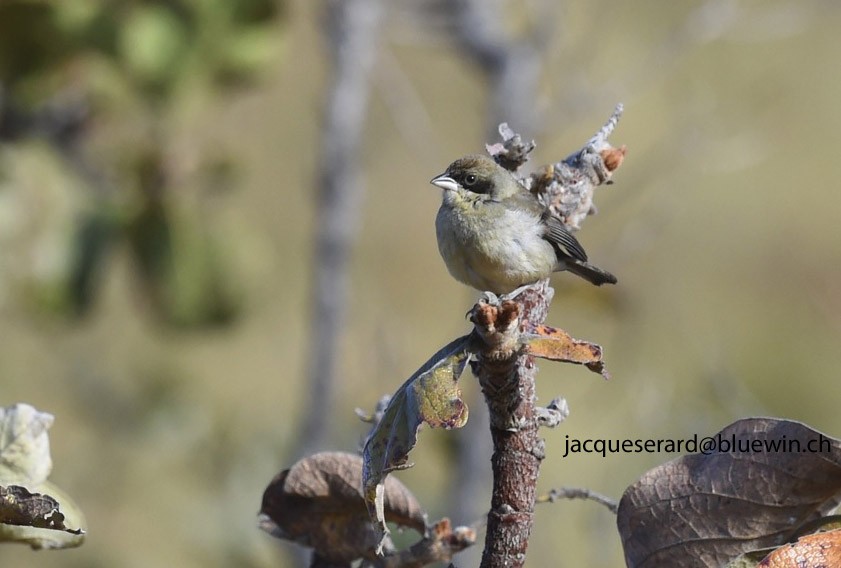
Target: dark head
<point x="477" y="174"/>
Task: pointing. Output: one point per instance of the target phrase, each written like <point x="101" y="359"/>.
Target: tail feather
<point x="592" y="274"/>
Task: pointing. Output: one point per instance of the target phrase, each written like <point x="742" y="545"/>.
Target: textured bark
<point x="516" y="464"/>
<point x="507" y="376"/>
<point x="512" y="67"/>
<point x="505" y="373"/>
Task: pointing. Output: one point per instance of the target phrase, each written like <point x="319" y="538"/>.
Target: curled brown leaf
<point x="557" y="345"/>
<point x="318" y="503"/>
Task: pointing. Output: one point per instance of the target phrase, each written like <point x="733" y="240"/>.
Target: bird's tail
<point x="590" y="273"/>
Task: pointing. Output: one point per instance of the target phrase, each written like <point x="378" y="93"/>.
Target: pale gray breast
<point x="497" y="251"/>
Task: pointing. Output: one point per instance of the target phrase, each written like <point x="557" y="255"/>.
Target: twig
<point x="442" y="543"/>
<point x="567" y="187"/>
<point x="373" y="419"/>
<point x="579" y="493"/>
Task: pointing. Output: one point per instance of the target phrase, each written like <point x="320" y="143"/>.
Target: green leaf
<point x="430" y="395"/>
<point x="249" y="52"/>
<point x="153" y="42"/>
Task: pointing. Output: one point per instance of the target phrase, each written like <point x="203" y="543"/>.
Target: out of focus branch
<point x="350" y="31"/>
<point x="512" y="66"/>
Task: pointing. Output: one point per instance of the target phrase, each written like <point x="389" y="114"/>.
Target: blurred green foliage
<point x="152" y="45"/>
<point x="68" y="67"/>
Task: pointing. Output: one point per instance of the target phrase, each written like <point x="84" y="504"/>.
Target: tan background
<point x="723" y="227"/>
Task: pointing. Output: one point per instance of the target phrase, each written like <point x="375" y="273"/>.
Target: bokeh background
<point x="160" y="167"/>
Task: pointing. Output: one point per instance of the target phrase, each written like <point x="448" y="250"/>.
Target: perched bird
<point x="496" y="236"/>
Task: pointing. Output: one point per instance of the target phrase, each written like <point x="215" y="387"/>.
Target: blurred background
<point x="216" y="241"/>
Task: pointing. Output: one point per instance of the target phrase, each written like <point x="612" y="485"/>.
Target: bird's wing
<point x="561" y="238"/>
<point x="554" y="231"/>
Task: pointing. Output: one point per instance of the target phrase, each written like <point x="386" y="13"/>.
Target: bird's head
<point x="476" y="177"/>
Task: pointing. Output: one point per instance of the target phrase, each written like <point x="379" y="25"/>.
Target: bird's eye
<point x="470" y="179"/>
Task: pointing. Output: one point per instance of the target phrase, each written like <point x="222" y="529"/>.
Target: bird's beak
<point x="445" y="182"/>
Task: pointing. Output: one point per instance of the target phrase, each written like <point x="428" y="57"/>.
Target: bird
<point x="497" y="237"/>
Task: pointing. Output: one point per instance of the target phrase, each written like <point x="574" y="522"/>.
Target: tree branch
<point x="512" y="66"/>
<point x="505" y="371"/>
<point x="351" y="29"/>
<point x="506" y="375"/>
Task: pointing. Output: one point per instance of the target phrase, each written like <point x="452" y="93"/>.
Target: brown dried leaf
<point x="41" y="520"/>
<point x="20" y="507"/>
<point x="557" y="345"/>
<point x="613" y="157"/>
<point x="431" y="395"/>
<point x="819" y="550"/>
<point x="318" y="503"/>
<point x="32" y="510"/>
<point x="711" y="508"/>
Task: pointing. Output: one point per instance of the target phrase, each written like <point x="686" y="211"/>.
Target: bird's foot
<point x="514" y="293"/>
<point x="490" y="298"/>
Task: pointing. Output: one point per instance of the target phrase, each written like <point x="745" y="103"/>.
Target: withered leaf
<point x="821" y="550"/>
<point x="20" y="507"/>
<point x="430" y="395"/>
<point x="32" y="510"/>
<point x="42" y="519"/>
<point x="318" y="503"/>
<point x="557" y="345"/>
<point x="704" y="510"/>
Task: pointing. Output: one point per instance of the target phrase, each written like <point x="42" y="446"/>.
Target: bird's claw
<point x="514" y="293"/>
<point x="490" y="298"/>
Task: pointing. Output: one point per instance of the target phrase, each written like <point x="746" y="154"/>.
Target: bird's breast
<point x="490" y="247"/>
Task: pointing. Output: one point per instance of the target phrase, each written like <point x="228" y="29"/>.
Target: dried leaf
<point x="318" y="503"/>
<point x="42" y="520"/>
<point x="613" y="157"/>
<point x="557" y="345"/>
<point x="20" y="507"/>
<point x="32" y="510"/>
<point x="714" y="507"/>
<point x="24" y="445"/>
<point x="431" y="395"/>
<point x="819" y="550"/>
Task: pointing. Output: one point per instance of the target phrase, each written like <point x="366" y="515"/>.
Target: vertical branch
<point x="512" y="67"/>
<point x="505" y="372"/>
<point x="351" y="35"/>
<point x="507" y="377"/>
